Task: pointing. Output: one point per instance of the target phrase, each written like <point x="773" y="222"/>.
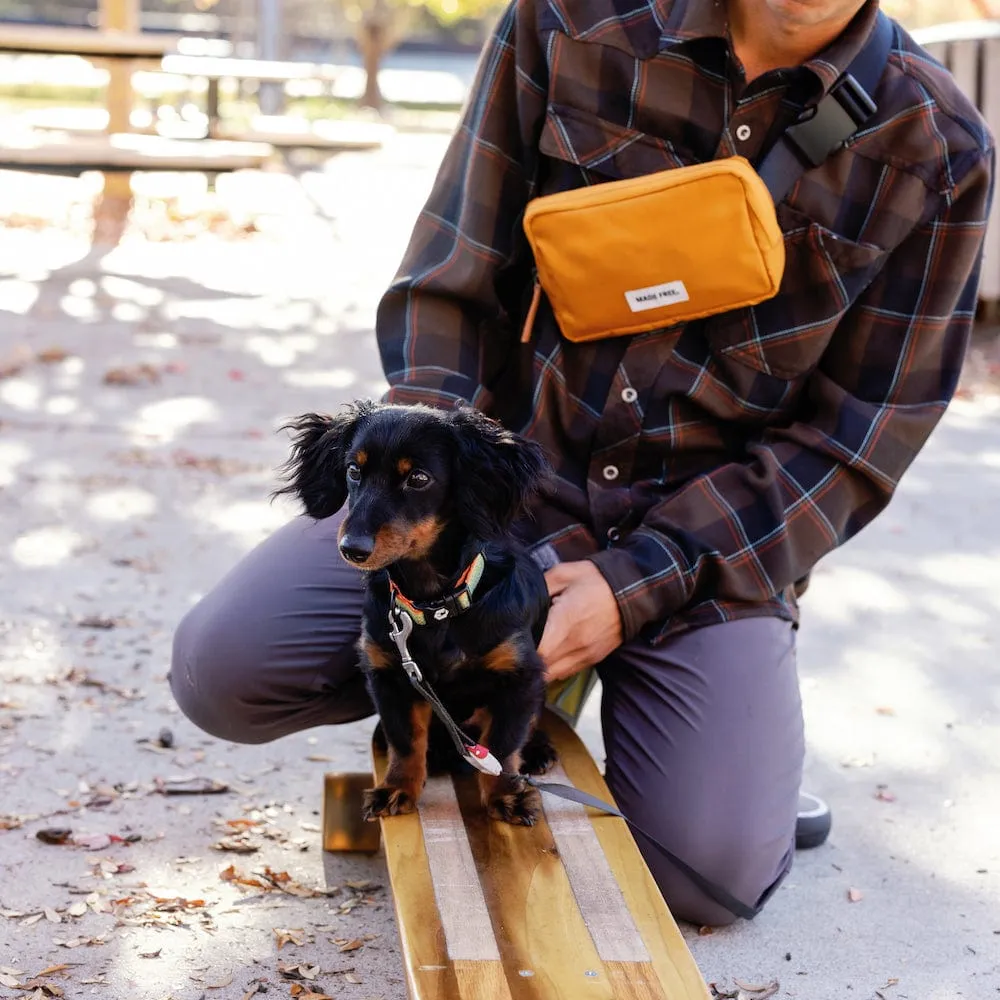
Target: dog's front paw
<point x="520" y="808"/>
<point x="538" y="754"/>
<point x="386" y="801"/>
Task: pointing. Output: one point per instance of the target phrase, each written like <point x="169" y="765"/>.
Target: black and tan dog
<point x="431" y="499"/>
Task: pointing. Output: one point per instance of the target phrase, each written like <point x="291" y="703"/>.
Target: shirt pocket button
<point x="629" y="395"/>
<point x="610" y="473"/>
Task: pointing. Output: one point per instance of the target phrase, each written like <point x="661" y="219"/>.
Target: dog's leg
<point x="509" y="797"/>
<point x="538" y="754"/>
<point x="406" y="733"/>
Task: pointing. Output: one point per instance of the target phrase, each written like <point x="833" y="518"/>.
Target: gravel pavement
<point x="140" y="394"/>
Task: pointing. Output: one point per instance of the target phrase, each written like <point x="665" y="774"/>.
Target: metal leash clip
<point x="400" y="627"/>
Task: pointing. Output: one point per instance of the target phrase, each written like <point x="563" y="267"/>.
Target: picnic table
<point x="117" y="154"/>
<point x="279" y="131"/>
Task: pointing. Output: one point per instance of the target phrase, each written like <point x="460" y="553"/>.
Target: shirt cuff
<point x="644" y="595"/>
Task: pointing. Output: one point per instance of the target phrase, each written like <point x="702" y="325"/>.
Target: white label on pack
<point x="656" y="296"/>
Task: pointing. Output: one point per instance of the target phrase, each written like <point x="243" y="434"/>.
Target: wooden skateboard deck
<point x="564" y="910"/>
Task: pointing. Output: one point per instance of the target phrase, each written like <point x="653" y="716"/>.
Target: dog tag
<point x="482" y="760"/>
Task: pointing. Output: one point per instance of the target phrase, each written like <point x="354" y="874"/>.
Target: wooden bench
<point x="329" y="136"/>
<point x="564" y="910"/>
<point x="214" y="69"/>
<point x="84" y="42"/>
<point x="126" y="153"/>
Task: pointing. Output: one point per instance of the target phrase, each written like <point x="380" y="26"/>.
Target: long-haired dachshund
<point x="432" y="496"/>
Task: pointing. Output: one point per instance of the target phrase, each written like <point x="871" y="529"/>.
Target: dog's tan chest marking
<point x="503" y="658"/>
<point x="376" y="656"/>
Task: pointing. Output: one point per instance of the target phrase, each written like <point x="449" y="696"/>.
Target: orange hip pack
<point x="625" y="257"/>
<point x="629" y="256"/>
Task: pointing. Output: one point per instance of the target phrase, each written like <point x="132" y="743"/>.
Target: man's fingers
<point x="554" y="634"/>
<point x="559" y="578"/>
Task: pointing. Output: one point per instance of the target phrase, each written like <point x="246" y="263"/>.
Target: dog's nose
<point x="357" y="548"/>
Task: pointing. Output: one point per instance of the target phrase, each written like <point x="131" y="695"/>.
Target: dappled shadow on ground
<point x="139" y="409"/>
<point x="141" y="394"/>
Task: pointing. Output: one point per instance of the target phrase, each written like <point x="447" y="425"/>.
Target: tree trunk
<point x="374" y="43"/>
<point x="372" y="52"/>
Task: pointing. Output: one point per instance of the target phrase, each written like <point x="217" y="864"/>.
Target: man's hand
<point x="584" y="625"/>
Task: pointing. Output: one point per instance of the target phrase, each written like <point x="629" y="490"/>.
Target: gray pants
<point x="703" y="734"/>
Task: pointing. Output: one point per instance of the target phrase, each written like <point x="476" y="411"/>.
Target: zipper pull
<point x="529" y="320"/>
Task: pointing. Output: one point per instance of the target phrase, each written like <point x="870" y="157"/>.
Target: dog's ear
<point x="497" y="473"/>
<point x="316" y="471"/>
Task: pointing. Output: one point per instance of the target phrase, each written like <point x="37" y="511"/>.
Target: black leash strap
<point x="716" y="892"/>
<point x="845" y="109"/>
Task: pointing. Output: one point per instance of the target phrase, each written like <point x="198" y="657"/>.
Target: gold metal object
<point x="343" y="827"/>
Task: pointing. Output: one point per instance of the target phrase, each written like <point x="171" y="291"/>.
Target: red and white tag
<point x="481" y="759"/>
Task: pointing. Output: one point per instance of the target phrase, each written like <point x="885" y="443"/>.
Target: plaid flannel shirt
<point x="704" y="468"/>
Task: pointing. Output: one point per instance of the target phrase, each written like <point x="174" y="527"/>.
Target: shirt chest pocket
<point x="787" y="335"/>
<point x="581" y="148"/>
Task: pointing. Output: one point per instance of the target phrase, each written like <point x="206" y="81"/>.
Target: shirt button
<point x="614" y="535"/>
<point x="743" y="132"/>
<point x="610" y="472"/>
<point x="629" y="395"/>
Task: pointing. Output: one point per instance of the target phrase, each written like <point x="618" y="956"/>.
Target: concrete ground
<point x="140" y="392"/>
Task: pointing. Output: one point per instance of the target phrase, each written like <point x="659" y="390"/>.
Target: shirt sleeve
<point x="748" y="530"/>
<point x="431" y="320"/>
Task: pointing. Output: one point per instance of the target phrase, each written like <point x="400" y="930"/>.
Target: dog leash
<point x="475" y="754"/>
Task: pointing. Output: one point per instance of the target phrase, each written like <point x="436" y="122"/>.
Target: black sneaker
<point x="814" y="821"/>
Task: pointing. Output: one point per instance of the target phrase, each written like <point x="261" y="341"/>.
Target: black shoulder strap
<point x="842" y="112"/>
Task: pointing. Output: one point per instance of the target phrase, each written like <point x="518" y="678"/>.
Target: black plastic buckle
<point x="448" y="605"/>
<point x="834" y="120"/>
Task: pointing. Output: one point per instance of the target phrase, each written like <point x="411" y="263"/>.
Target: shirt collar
<point x="689" y="20"/>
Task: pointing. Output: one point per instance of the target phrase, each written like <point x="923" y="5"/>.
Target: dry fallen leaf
<point x="758" y="991"/>
<point x="79" y="942"/>
<point x="366" y="885"/>
<point x="298" y="970"/>
<point x="99" y="622"/>
<point x="52" y="916"/>
<point x="352" y="945"/>
<point x="77" y="909"/>
<point x="854" y="895"/>
<point x="189" y="786"/>
<point x="142" y="374"/>
<point x="54" y="835"/>
<point x="284" y="937"/>
<point x="52" y="355"/>
<point x="11" y="982"/>
<point x="301" y="992"/>
<point x="885" y="710"/>
<point x="52" y="969"/>
<point x="239" y="843"/>
<point x="220" y="986"/>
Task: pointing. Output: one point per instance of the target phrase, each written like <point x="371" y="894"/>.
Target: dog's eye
<point x="354" y="473"/>
<point x="418" y="480"/>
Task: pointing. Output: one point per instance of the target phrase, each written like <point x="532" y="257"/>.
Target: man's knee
<point x="216" y="676"/>
<point x="742" y="873"/>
